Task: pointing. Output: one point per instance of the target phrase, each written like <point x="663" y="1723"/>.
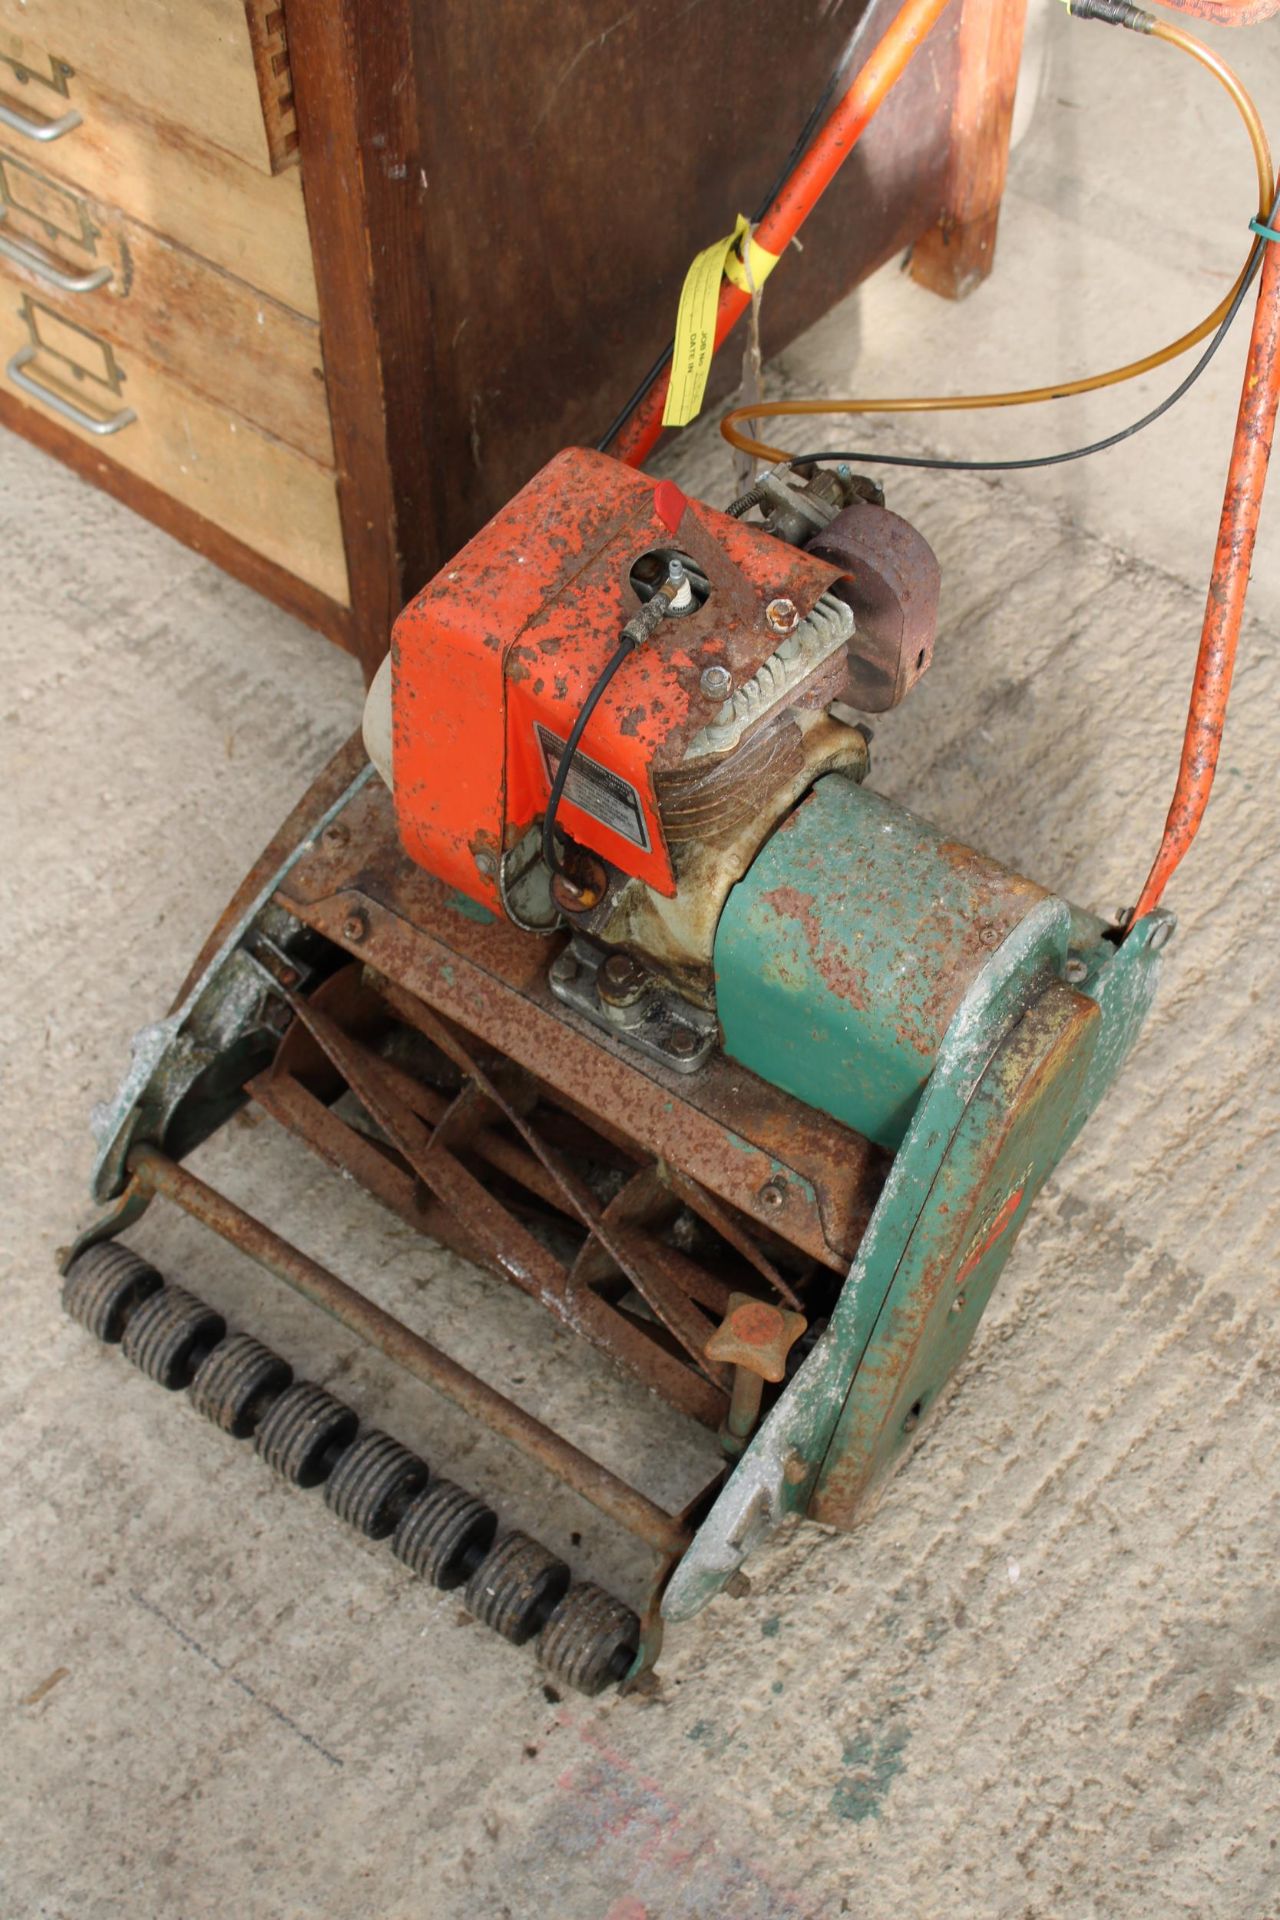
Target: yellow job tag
<point x="695" y="340"/>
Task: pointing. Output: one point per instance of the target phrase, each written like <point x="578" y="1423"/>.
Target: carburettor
<point x="750" y="689"/>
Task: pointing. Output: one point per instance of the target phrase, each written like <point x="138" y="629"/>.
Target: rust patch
<point x="830" y="960"/>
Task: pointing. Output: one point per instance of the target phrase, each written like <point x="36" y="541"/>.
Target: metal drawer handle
<point x="44" y="269"/>
<point x="34" y="127"/>
<point x="67" y="408"/>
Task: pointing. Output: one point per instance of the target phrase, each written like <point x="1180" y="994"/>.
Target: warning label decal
<point x="605" y="795"/>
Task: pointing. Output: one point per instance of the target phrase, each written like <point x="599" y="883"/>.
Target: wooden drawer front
<point x="251" y="223"/>
<point x="266" y="494"/>
<point x="215" y="333"/>
<point x="190" y="62"/>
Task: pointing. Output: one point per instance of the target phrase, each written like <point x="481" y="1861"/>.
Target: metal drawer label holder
<point x="77" y="356"/>
<point x="37" y="126"/>
<point x="61" y="215"/>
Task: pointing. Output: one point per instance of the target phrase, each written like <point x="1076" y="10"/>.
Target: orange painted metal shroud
<point x="509" y="638"/>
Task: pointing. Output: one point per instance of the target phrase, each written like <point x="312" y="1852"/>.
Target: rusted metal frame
<point x="156" y="1173"/>
<point x="294" y="1106"/>
<point x="518" y="1255"/>
<point x="708" y="1208"/>
<point x="345" y="1148"/>
<point x="673" y="1307"/>
<point x="651" y="1618"/>
<point x="677" y="1273"/>
<point x="503" y="1155"/>
<point x="645" y="1196"/>
<point x="571" y="1129"/>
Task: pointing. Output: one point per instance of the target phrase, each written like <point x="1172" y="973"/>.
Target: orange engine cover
<point x="492" y="661"/>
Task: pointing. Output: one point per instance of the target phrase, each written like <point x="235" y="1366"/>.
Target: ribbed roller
<point x="373" y="1483"/>
<point x="444" y="1534"/>
<point x="590" y="1640"/>
<point x="301" y="1436"/>
<point x="104" y="1286"/>
<point x="169" y="1335"/>
<point x="237" y="1382"/>
<point x="515" y="1587"/>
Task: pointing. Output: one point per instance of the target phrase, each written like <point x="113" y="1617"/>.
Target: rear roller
<point x="104" y="1287"/>
<point x="170" y="1334"/>
<point x="373" y="1483"/>
<point x="237" y="1382"/>
<point x="304" y="1433"/>
<point x="445" y="1534"/>
<point x="516" y="1587"/>
<point x="590" y="1640"/>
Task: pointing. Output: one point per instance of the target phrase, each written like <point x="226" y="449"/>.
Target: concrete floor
<point x="1042" y="1681"/>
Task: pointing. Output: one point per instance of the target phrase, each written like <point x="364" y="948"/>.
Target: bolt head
<point x="621" y="980"/>
<point x="684" y="1041"/>
<point x="355" y="927"/>
<point x="773" y="1194"/>
<point x="486" y="864"/>
<point x="782" y="614"/>
<point x="1076" y="970"/>
<point x="716" y="683"/>
<point x="737" y="1586"/>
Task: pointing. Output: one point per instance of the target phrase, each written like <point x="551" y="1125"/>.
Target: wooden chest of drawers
<point x="159" y="320"/>
<point x="317" y="284"/>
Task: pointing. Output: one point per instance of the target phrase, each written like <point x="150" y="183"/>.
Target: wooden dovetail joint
<point x="270" y="46"/>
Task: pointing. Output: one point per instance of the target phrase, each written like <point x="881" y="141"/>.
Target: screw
<point x="355" y="927"/>
<point x="336" y="834"/>
<point x="988" y="937"/>
<point x="958" y="1304"/>
<point x="716" y="683"/>
<point x="1076" y="970"/>
<point x="782" y="615"/>
<point x="486" y="864"/>
<point x="772" y="1194"/>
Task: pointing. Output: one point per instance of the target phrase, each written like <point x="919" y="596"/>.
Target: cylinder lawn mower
<point x="743" y="1071"/>
<point x="599" y="962"/>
